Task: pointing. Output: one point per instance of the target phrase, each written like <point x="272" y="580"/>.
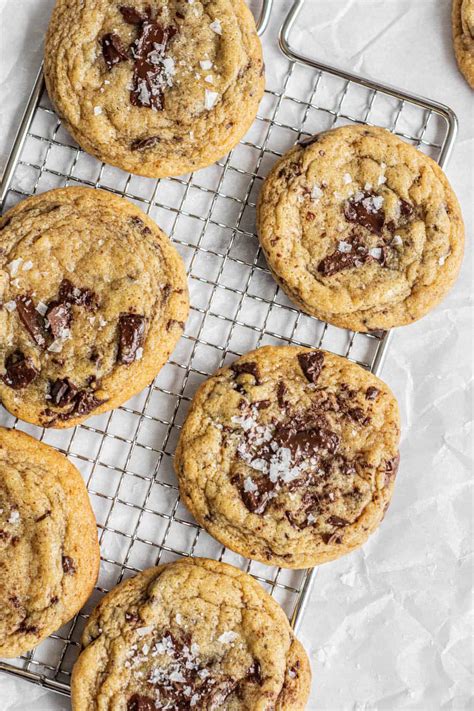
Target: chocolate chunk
<point x="29" y="629"/>
<point x="261" y="404"/>
<point x="131" y="337"/>
<point x="338" y="261"/>
<point x="54" y="600"/>
<point x="43" y="516"/>
<point x="31" y="319"/>
<point x="281" y="390"/>
<point x="85" y="402"/>
<point x="77" y="295"/>
<point x="137" y="702"/>
<point x="137" y="222"/>
<point x="131" y="617"/>
<point x="371" y="393"/>
<point x="62" y="392"/>
<point x="254" y="674"/>
<point x="364" y="213"/>
<point x="68" y="565"/>
<point x="149" y="75"/>
<point x="330" y="538"/>
<point x="391" y="469"/>
<point x="256" y="501"/>
<point x="20" y="371"/>
<point x="172" y="322"/>
<point x="406" y="210"/>
<point x="337" y="521"/>
<point x="15" y="601"/>
<point x="250" y="368"/>
<point x="311" y="364"/>
<point x="141" y="143"/>
<point x="58" y="318"/>
<point x="134" y="16"/>
<point x="113" y="50"/>
<point x="304" y="442"/>
<point x="358" y="415"/>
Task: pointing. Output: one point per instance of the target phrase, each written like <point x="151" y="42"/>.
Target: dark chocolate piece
<point x="337" y="521"/>
<point x="31" y="319"/>
<point x="134" y="16"/>
<point x="141" y="144"/>
<point x="113" y="50"/>
<point x="149" y="77"/>
<point x="79" y="296"/>
<point x="68" y="565"/>
<point x="20" y="371"/>
<point x="311" y="364"/>
<point x="250" y="368"/>
<point x="62" y="392"/>
<point x="137" y="702"/>
<point x="131" y="337"/>
<point x="58" y="318"/>
<point x="363" y="213"/>
<point x="371" y="393"/>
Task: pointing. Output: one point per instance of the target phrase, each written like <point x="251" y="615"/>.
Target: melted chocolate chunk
<point x="31" y="319"/>
<point x="149" y="78"/>
<point x="406" y="210"/>
<point x="134" y="16"/>
<point x="20" y="371"/>
<point x="137" y="702"/>
<point x="364" y="213"/>
<point x="311" y="364"/>
<point x="358" y="415"/>
<point x="330" y="538"/>
<point x="141" y="144"/>
<point x="261" y="404"/>
<point x="62" y="392"/>
<point x="76" y="295"/>
<point x="256" y="501"/>
<point x="68" y="564"/>
<point x="371" y="393"/>
<point x="254" y="674"/>
<point x="250" y="368"/>
<point x="337" y="521"/>
<point x="58" y="318"/>
<point x="113" y="50"/>
<point x="85" y="402"/>
<point x="338" y="261"/>
<point x="131" y="337"/>
<point x="391" y="468"/>
<point x="281" y="390"/>
<point x="304" y="443"/>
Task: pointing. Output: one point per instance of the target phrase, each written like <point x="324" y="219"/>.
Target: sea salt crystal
<point x="97" y="110"/>
<point x="442" y="260"/>
<point x="14" y="517"/>
<point x="209" y="79"/>
<point x="102" y="322"/>
<point x="179" y="619"/>
<point x="375" y="252"/>
<point x="344" y="247"/>
<point x="397" y="240"/>
<point x="337" y="195"/>
<point x="382" y="180"/>
<point x="177" y="676"/>
<point x="14" y="265"/>
<point x="27" y="266"/>
<point x="249" y="485"/>
<point x="311" y="518"/>
<point x="227" y="637"/>
<point x="41" y="308"/>
<point x="139" y="354"/>
<point x="216" y="27"/>
<point x="206" y="64"/>
<point x="292" y="674"/>
<point x="56" y="347"/>
<point x="10" y="306"/>
<point x="142" y="631"/>
<point x="368" y="186"/>
<point x="316" y="192"/>
<point x="347" y="178"/>
<point x="210" y="98"/>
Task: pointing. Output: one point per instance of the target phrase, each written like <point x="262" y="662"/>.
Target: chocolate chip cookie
<point x="289" y="455"/>
<point x="49" y="554"/>
<point x="361" y="229"/>
<point x="195" y="634"/>
<point x="463" y="37"/>
<point x="155" y="87"/>
<point x="93" y="298"/>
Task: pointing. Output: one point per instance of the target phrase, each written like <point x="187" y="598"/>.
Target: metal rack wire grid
<point x="126" y="456"/>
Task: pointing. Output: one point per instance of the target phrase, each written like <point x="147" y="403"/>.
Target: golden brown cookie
<point x="49" y="554"/>
<point x="93" y="298"/>
<point x="156" y="88"/>
<point x="195" y="634"/>
<point x="361" y="229"/>
<point x="289" y="455"/>
<point x="463" y="37"/>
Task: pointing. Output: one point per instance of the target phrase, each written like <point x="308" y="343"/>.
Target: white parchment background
<point x="390" y="626"/>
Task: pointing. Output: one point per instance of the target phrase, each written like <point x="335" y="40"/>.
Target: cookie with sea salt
<point x="49" y="553"/>
<point x="194" y="634"/>
<point x="93" y="298"/>
<point x="361" y="229"/>
<point x="289" y="455"/>
<point x="463" y="37"/>
<point x="155" y="87"/>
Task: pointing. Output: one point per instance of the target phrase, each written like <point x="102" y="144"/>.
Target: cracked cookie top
<point x="289" y="455"/>
<point x="156" y="88"/>
<point x="195" y="634"/>
<point x="361" y="229"/>
<point x="93" y="298"/>
<point x="49" y="554"/>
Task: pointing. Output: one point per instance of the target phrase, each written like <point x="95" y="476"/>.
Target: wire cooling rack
<point x="126" y="456"/>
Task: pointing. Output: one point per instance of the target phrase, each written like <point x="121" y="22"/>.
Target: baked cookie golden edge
<point x="127" y="380"/>
<point x="69" y="56"/>
<point x="122" y="605"/>
<point x="267" y="536"/>
<point x="463" y="37"/>
<point x="80" y="541"/>
<point x="289" y="261"/>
